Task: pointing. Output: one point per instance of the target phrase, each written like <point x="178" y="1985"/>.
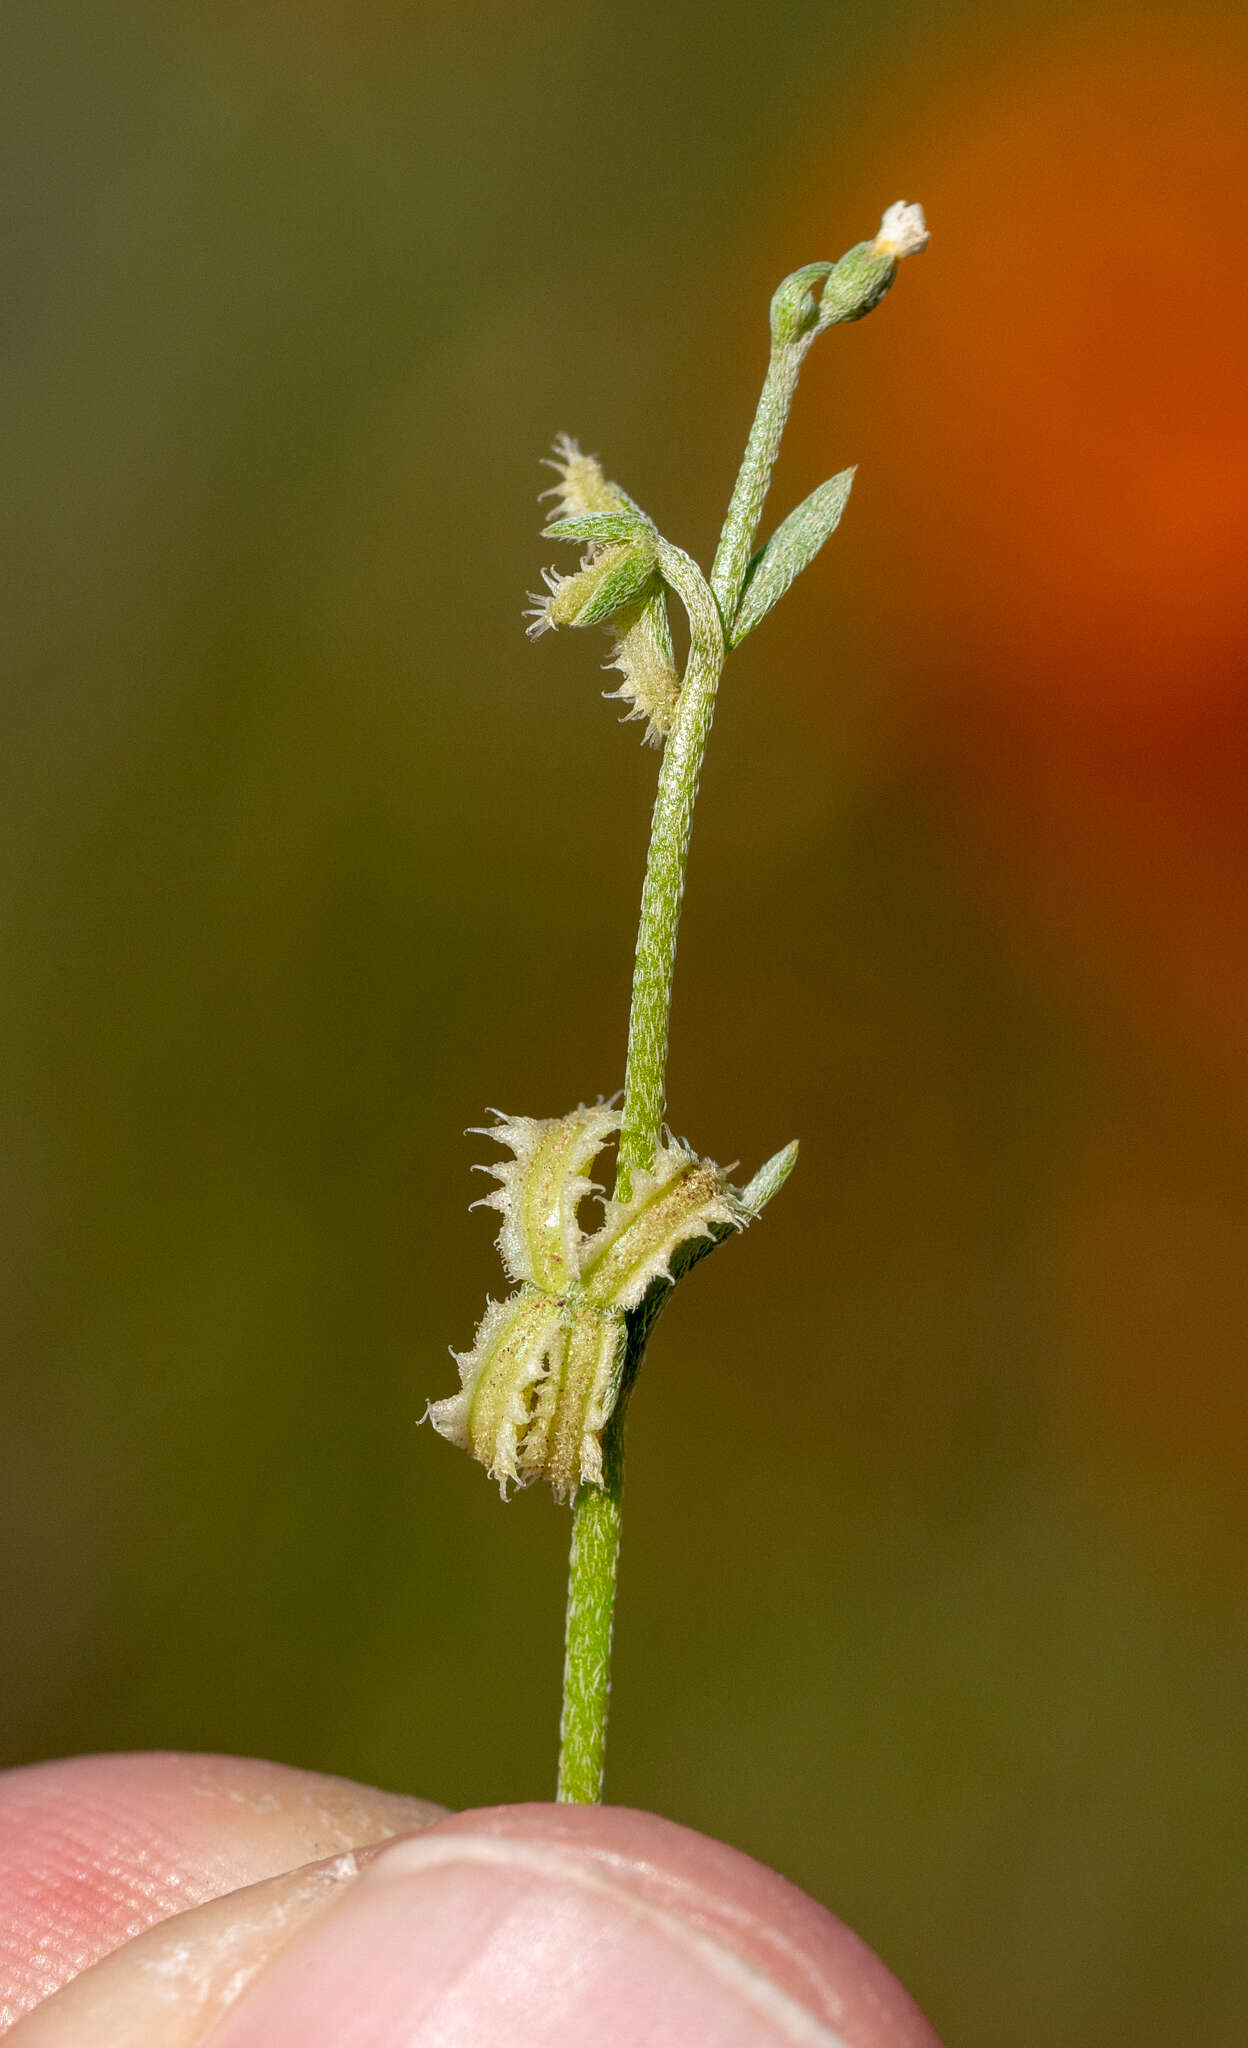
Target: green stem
<point x="592" y="1568"/>
<point x="846" y="291"/>
<point x="745" y="509"/>
<point x="650" y="1013"/>
<point x="596" y="1514"/>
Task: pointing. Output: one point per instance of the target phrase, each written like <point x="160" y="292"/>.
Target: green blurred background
<point x="933" y="1591"/>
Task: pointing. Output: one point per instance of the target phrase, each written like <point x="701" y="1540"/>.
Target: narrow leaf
<point x="598" y="526"/>
<point x="612" y="580"/>
<point x="792" y="547"/>
<point x="769" y="1180"/>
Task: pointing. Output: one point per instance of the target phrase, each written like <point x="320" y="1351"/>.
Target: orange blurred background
<point x="1060" y="434"/>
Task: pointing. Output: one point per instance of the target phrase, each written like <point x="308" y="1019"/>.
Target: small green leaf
<point x="792" y="547"/>
<point x="769" y="1179"/>
<point x="598" y="526"/>
<point x="614" y="579"/>
<point x="608" y="579"/>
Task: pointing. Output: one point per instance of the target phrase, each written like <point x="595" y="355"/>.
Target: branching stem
<point x="848" y="290"/>
<point x="597" y="1512"/>
<point x="596" y="1515"/>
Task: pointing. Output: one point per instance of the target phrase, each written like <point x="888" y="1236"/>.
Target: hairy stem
<point x="592" y="1567"/>
<point x="596" y="1515"/>
<point x="650" y="1013"/>
<point x="745" y="509"/>
<point x="804" y="304"/>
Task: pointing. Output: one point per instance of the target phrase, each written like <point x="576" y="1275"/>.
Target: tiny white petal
<point x="903" y="231"/>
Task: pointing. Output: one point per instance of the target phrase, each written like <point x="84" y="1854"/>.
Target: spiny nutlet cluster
<point x="617" y="586"/>
<point x="542" y="1376"/>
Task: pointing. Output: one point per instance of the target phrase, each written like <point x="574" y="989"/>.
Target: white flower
<point x="903" y="231"/>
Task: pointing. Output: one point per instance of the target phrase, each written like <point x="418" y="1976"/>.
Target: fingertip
<point x="520" y="1927"/>
<point x="547" y="1926"/>
<point x="95" y="1849"/>
<point x="777" y="1929"/>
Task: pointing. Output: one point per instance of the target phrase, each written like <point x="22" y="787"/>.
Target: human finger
<point x="95" y="1849"/>
<point x="536" y="1925"/>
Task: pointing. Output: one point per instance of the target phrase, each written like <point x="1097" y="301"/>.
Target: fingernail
<point x="471" y="1938"/>
<point x="478" y="1940"/>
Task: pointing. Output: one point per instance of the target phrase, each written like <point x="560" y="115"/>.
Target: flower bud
<point x="859" y="281"/>
<point x="794" y="307"/>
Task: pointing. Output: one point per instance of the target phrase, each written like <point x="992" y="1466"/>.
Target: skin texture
<point x="169" y="1901"/>
<point x="94" y="1850"/>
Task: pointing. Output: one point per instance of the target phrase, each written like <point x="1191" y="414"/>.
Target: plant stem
<point x="846" y="290"/>
<point x="650" y="1013"/>
<point x="596" y="1514"/>
<point x="592" y="1567"/>
<point x="745" y="509"/>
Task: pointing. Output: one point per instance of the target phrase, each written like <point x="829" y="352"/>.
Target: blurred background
<point x="933" y="1589"/>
